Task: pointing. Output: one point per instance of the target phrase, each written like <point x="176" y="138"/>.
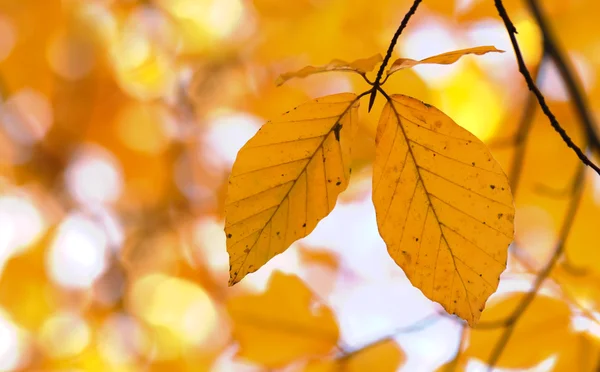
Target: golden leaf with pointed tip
<point x="286" y="179"/>
<point x="440" y="59"/>
<point x="443" y="206"/>
<point x="360" y="66"/>
<point x="281" y="325"/>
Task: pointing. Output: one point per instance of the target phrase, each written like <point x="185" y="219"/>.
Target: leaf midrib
<point x="327" y="134"/>
<point x="420" y="179"/>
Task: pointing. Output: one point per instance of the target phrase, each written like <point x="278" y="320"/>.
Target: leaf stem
<point x="512" y="31"/>
<point x="388" y="54"/>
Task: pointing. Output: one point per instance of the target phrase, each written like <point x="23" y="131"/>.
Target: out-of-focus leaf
<point x="29" y="298"/>
<point x="440" y="59"/>
<point x="286" y="179"/>
<point x="320" y="257"/>
<point x="581" y="354"/>
<point x="444" y="206"/>
<point x="281" y="325"/>
<point x="360" y="66"/>
<point x="542" y="330"/>
<point x="381" y="357"/>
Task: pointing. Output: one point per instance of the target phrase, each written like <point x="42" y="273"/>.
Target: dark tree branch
<point x="390" y="50"/>
<point x="570" y="79"/>
<point x="510" y="323"/>
<point x="512" y="31"/>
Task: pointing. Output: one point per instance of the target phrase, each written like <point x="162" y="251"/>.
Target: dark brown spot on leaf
<point x="492" y="187"/>
<point x="229" y="235"/>
<point x="336" y="131"/>
<point x="338" y="183"/>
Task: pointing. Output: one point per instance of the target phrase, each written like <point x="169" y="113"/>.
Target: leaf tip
<point x="372" y="100"/>
<point x="233" y="280"/>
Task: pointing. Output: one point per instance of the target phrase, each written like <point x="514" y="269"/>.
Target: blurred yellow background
<point x="120" y="121"/>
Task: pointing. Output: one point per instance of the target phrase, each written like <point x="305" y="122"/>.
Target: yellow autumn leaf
<point x="542" y="330"/>
<point x="440" y="59"/>
<point x="286" y="179"/>
<point x="360" y="66"/>
<point x="281" y="325"/>
<point x="581" y="354"/>
<point x="443" y="206"/>
<point x="383" y="356"/>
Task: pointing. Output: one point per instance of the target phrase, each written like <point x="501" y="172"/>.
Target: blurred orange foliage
<point x="120" y="121"/>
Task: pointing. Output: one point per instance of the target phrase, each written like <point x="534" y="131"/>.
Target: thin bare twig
<point x="512" y="31"/>
<point x="388" y="54"/>
<point x="417" y="326"/>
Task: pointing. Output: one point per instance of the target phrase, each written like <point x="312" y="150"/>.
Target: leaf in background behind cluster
<point x="286" y="179"/>
<point x="360" y="66"/>
<point x="319" y="257"/>
<point x="581" y="354"/>
<point x="543" y="330"/>
<point x="443" y="205"/>
<point x="381" y="357"/>
<point x="440" y="59"/>
<point x="281" y="325"/>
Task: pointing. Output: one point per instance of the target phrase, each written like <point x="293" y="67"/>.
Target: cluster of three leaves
<point x="443" y="204"/>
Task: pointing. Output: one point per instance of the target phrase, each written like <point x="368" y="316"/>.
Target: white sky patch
<point x="351" y="231"/>
<point x="94" y="176"/>
<point x="77" y="256"/>
<point x="21" y="224"/>
<point x="432" y="346"/>
<point x="211" y="241"/>
<point x="226" y="135"/>
<point x="491" y="32"/>
<point x="425" y="40"/>
<point x="552" y="84"/>
<point x="12" y="344"/>
<point x="369" y="311"/>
